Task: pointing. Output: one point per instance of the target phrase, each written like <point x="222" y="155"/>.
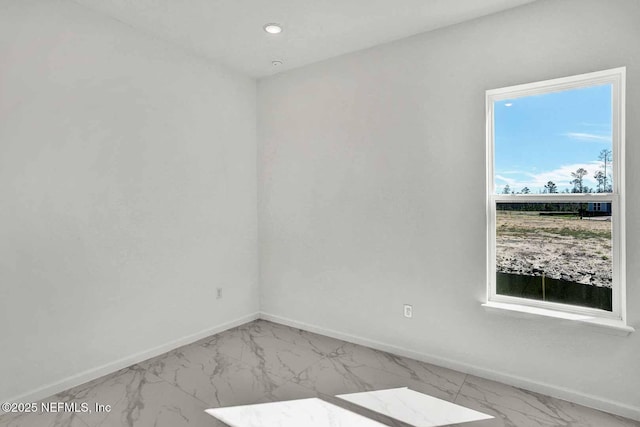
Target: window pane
<point x="557" y="252"/>
<point x="555" y="142"/>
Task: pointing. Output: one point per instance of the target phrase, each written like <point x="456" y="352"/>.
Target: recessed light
<point x="508" y="104"/>
<point x="273" y="28"/>
<point x="276" y="63"/>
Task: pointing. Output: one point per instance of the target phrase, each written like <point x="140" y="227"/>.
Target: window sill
<point x="610" y="326"/>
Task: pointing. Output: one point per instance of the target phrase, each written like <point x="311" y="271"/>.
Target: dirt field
<point x="565" y="248"/>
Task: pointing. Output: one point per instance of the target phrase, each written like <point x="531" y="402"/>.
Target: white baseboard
<point x="512" y="380"/>
<point x="94" y="373"/>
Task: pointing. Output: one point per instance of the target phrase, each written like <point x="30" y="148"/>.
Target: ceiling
<point x="231" y="31"/>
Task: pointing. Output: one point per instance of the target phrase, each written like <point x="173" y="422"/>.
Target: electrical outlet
<point x="218" y="293"/>
<point x="408" y="311"/>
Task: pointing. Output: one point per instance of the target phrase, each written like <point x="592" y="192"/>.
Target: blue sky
<point x="546" y="137"/>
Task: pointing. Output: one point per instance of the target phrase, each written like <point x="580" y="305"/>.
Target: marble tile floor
<point x="266" y="362"/>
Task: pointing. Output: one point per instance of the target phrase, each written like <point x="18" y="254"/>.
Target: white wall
<point x="372" y="194"/>
<point x="128" y="194"/>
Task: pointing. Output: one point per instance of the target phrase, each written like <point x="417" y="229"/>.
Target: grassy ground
<point x="563" y="247"/>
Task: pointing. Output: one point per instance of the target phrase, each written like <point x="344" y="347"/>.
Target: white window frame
<point x="617" y="78"/>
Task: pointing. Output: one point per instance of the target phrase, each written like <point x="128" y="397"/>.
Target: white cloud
<point x="581" y="136"/>
<point x="506" y="180"/>
<point x="598" y="125"/>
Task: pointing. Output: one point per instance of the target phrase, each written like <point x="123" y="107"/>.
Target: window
<point x="555" y="195"/>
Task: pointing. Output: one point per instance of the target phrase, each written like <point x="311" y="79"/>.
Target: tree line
<point x="602" y="177"/>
